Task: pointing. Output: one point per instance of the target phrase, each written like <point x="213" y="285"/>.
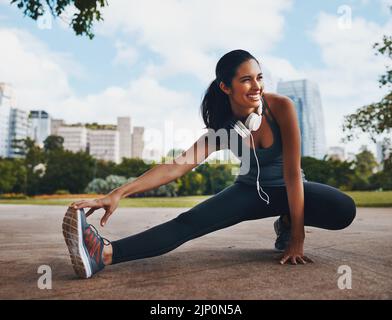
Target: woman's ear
<point x="224" y="88"/>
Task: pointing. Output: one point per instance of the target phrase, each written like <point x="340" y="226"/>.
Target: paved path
<point x="234" y="263"/>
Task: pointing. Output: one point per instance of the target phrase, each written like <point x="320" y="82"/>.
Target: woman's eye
<point x="259" y="78"/>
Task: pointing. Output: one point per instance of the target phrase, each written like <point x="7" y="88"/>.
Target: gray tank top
<point x="270" y="159"/>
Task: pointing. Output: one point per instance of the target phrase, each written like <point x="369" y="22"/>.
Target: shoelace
<point x="99" y="236"/>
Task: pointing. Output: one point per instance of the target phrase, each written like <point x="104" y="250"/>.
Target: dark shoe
<point x="283" y="233"/>
<point x="84" y="244"/>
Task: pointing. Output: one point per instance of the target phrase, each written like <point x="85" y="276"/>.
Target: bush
<point x="167" y="190"/>
<point x="101" y="186"/>
<point x="114" y="182"/>
<point x="98" y="186"/>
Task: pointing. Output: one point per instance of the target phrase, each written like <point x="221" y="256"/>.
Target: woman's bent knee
<point x="346" y="212"/>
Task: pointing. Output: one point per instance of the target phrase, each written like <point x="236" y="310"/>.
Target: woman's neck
<point x="241" y="113"/>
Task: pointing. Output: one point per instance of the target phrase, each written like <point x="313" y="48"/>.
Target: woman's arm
<point x="166" y="173"/>
<point x="153" y="178"/>
<point x="291" y="140"/>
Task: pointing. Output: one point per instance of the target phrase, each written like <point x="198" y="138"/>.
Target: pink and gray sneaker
<point x="84" y="244"/>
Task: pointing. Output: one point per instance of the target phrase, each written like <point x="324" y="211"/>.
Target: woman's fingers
<point x="86" y="204"/>
<point x="301" y="260"/>
<point x="105" y="217"/>
<point x="284" y="259"/>
<point x="90" y="212"/>
<point x="294" y="260"/>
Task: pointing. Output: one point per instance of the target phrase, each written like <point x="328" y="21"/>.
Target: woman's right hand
<point x="109" y="203"/>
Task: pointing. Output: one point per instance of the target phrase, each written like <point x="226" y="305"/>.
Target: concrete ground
<point x="233" y="263"/>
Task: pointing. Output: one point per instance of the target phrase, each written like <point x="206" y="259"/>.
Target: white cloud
<point x="146" y="102"/>
<point x="37" y="75"/>
<point x="349" y="78"/>
<point x="125" y="55"/>
<point x="40" y="79"/>
<point x="190" y="35"/>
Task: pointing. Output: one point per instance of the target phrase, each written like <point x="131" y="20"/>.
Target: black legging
<point x="325" y="207"/>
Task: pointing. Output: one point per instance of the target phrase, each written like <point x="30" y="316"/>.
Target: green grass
<point x="372" y="198"/>
<point x="177" y="202"/>
<point x="361" y="198"/>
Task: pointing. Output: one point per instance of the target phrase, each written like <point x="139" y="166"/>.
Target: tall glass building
<point x="306" y="97"/>
<point x="18" y="131"/>
<point x="39" y="126"/>
<point x="5" y="112"/>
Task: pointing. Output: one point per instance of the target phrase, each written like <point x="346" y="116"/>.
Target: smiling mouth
<point x="254" y="97"/>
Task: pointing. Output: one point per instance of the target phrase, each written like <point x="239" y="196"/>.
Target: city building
<point x="125" y="136"/>
<point x="306" y="97"/>
<point x="138" y="142"/>
<point x="104" y="144"/>
<point x="55" y="124"/>
<point x="39" y="126"/>
<point x="5" y="113"/>
<point x="18" y="131"/>
<point x="75" y="137"/>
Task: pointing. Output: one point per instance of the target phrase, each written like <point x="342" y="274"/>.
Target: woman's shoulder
<point x="277" y="103"/>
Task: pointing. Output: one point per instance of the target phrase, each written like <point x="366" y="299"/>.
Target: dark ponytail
<point x="215" y="107"/>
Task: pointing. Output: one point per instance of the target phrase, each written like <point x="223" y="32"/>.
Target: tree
<point x="316" y="170"/>
<point x="53" y="143"/>
<point x="7" y="179"/>
<point x="131" y="167"/>
<point x="333" y="172"/>
<point x="103" y="168"/>
<point x="66" y="170"/>
<point x="192" y="183"/>
<point x="217" y="177"/>
<point x="365" y="163"/>
<point x="33" y="156"/>
<point x="87" y="12"/>
<point x="342" y="173"/>
<point x="375" y="118"/>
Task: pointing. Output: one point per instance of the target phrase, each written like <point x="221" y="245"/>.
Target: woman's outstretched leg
<point x="236" y="203"/>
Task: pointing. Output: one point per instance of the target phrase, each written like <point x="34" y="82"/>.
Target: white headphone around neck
<point x="252" y="123"/>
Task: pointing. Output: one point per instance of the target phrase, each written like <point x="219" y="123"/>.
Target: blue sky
<point x="154" y="64"/>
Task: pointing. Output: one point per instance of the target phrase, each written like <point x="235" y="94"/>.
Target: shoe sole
<point x="73" y="236"/>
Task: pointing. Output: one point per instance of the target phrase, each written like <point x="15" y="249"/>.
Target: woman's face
<point x="246" y="88"/>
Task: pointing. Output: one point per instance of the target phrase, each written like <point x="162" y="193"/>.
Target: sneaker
<point x="283" y="233"/>
<point x="84" y="244"/>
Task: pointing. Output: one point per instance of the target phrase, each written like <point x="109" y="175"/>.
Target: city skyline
<point x="128" y="143"/>
<point x="146" y="67"/>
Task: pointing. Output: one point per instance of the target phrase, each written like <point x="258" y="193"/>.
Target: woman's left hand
<point x="295" y="253"/>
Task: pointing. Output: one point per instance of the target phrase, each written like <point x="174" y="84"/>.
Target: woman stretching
<point x="272" y="183"/>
